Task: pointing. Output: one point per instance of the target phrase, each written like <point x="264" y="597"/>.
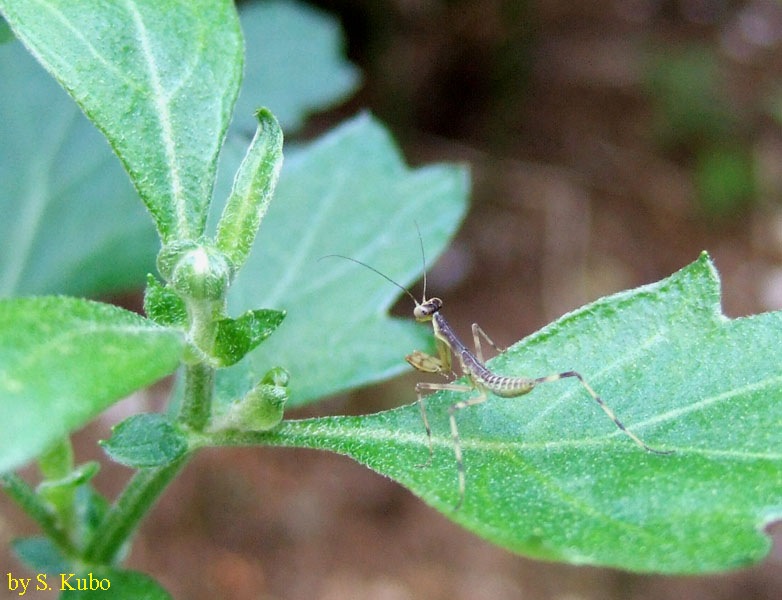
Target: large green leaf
<point x="549" y="476"/>
<point x="158" y="77"/>
<point x="5" y="32"/>
<point x="347" y="193"/>
<point x="72" y="222"/>
<point x="294" y="63"/>
<point x="63" y="360"/>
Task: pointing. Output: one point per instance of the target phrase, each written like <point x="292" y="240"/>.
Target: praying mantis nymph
<point x="481" y="378"/>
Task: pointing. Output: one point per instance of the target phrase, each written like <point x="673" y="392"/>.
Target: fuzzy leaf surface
<point x="147" y="440"/>
<point x="163" y="305"/>
<point x="158" y="77"/>
<point x="550" y="476"/>
<point x="63" y="360"/>
<point x="252" y="190"/>
<point x="236" y="337"/>
<point x="334" y="196"/>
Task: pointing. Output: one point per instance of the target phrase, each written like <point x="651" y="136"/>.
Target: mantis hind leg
<point x="602" y="405"/>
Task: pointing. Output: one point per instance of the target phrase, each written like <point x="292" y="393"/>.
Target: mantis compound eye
<point x="424" y="312"/>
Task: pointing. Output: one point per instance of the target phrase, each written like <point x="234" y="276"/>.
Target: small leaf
<point x="77" y="477"/>
<point x="252" y="190"/>
<point x="236" y="337"/>
<point x="261" y="408"/>
<point x="57" y="461"/>
<point x="118" y="584"/>
<point x="148" y="440"/>
<point x="549" y="476"/>
<point x="40" y="554"/>
<point x="61" y="493"/>
<point x="158" y="78"/>
<point x="163" y="305"/>
<point x="295" y="63"/>
<point x="63" y="360"/>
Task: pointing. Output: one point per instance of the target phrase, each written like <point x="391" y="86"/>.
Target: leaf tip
<point x="706" y="263"/>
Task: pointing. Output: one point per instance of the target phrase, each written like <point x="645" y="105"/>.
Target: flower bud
<point x="195" y="271"/>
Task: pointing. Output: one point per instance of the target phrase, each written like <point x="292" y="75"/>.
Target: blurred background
<point x="610" y="142"/>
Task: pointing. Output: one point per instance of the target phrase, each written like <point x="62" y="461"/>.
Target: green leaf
<point x="148" y="440"/>
<point x="163" y="305"/>
<point x="260" y="409"/>
<point x="63" y="360"/>
<point x="236" y="337"/>
<point x="53" y="488"/>
<point x="122" y="585"/>
<point x="334" y="197"/>
<point x="73" y="219"/>
<point x="72" y="223"/>
<point x="5" y="32"/>
<point x="41" y="555"/>
<point x="549" y="476"/>
<point x="91" y="509"/>
<point x="158" y="78"/>
<point x="294" y="63"/>
<point x="57" y="461"/>
<point x="252" y="190"/>
<point x="62" y="494"/>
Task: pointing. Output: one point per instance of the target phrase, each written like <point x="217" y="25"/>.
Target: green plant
<point x="547" y="474"/>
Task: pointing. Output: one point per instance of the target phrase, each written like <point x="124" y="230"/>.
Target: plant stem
<point x="24" y="495"/>
<point x="136" y="499"/>
<point x="196" y="404"/>
<point x="146" y="485"/>
<point x="199" y="377"/>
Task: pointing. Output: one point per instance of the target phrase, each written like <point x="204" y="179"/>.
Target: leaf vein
<point x="114" y="69"/>
<point x="163" y="113"/>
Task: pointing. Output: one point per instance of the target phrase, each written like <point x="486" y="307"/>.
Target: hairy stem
<point x="24" y="495"/>
<point x="196" y="404"/>
<point x="137" y="498"/>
